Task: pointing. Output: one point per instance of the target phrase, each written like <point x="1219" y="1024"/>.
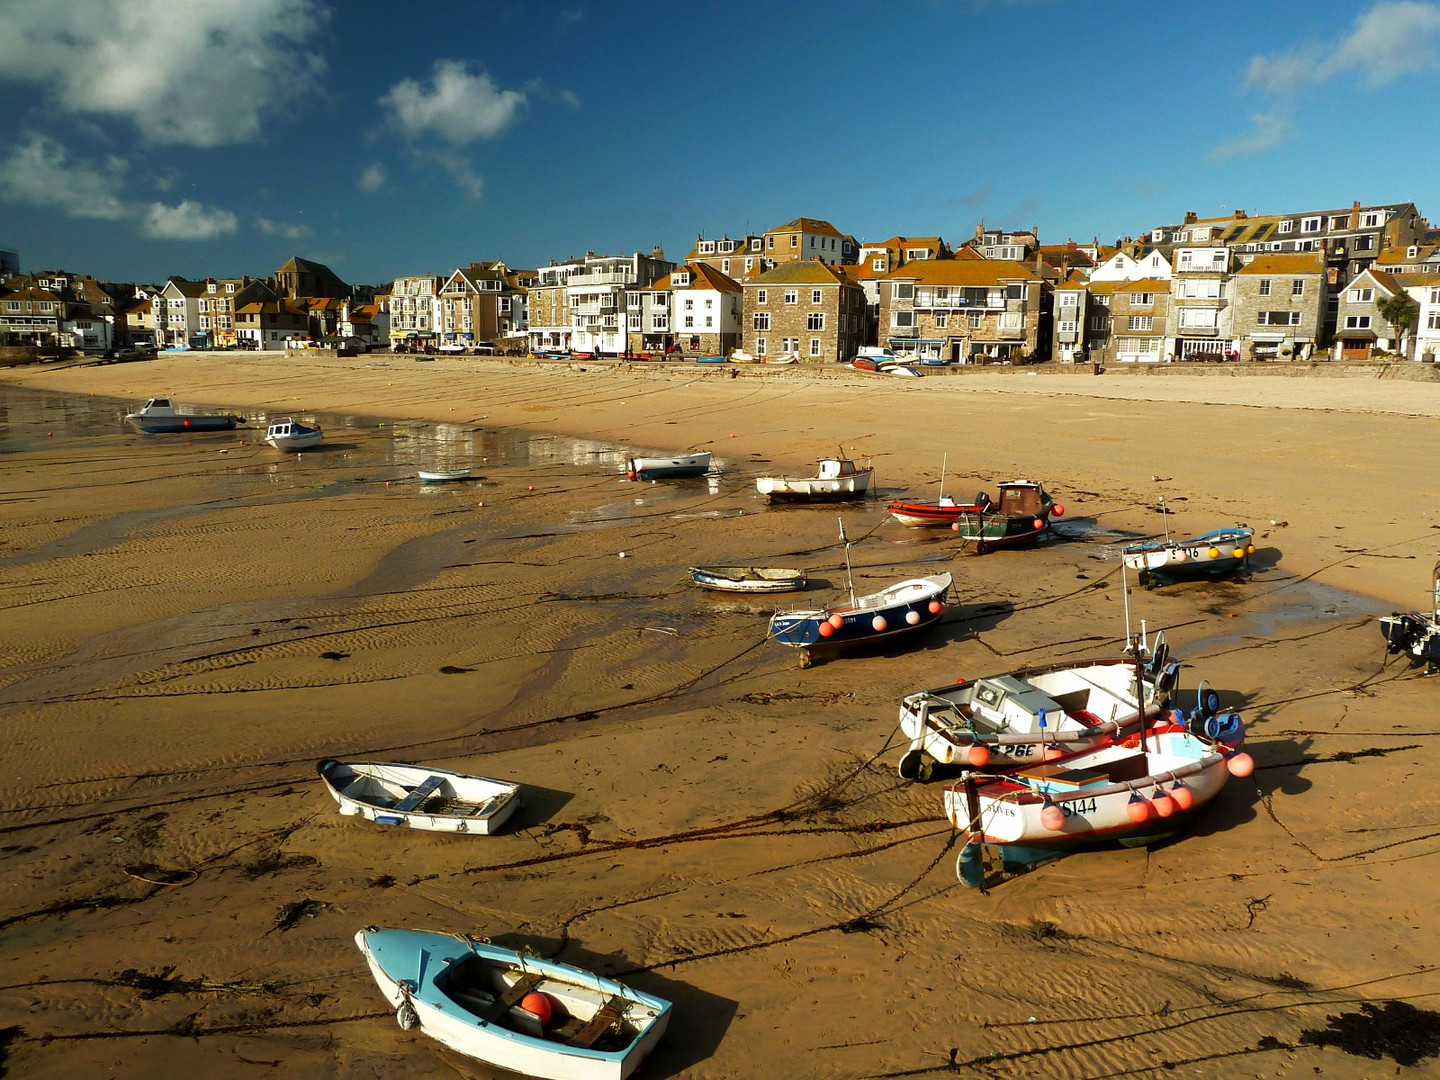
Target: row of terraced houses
<point x="1341" y="284"/>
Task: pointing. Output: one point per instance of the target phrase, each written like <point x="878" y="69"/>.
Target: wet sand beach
<point x="189" y="623"/>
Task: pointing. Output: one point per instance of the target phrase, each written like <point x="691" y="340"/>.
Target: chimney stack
<point x="1190" y="217"/>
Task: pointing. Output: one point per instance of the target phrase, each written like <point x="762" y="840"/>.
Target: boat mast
<point x="849" y="579"/>
<point x="943" y="459"/>
<point x="1165" y="518"/>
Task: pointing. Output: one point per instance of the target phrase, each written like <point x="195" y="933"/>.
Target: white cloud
<point x="202" y="73"/>
<point x="1269" y="130"/>
<point x="458" y="107"/>
<point x="373" y="178"/>
<point x="39" y="171"/>
<point x="1393" y="39"/>
<point x="282" y="229"/>
<point x="188" y="221"/>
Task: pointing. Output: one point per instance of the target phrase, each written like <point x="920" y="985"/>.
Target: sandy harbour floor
<point x="189" y="623"/>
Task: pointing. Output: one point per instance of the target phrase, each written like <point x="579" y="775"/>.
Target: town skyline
<point x="151" y="141"/>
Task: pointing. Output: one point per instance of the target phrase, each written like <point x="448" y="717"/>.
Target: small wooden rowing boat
<point x="747" y="579"/>
<point x="441" y="476"/>
<point x="511" y="1010"/>
<point x="1019" y="517"/>
<point x="435" y="800"/>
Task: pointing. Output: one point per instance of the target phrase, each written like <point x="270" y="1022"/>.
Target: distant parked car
<point x="486" y="348"/>
<point x="451" y="347"/>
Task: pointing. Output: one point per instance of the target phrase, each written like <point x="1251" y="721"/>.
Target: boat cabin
<point x="1010" y="703"/>
<point x="1020" y="498"/>
<point x="158" y="406"/>
<point x="835" y="468"/>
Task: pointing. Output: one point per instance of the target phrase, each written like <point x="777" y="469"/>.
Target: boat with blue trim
<point x="513" y="1010"/>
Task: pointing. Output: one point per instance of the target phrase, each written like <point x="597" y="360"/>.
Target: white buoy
<point x="622" y="554"/>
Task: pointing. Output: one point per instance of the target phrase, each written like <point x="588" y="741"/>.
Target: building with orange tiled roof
<point x="810" y="310"/>
<point x="809" y="238"/>
<point x="694" y="308"/>
<point x="1129" y="322"/>
<point x="965" y="310"/>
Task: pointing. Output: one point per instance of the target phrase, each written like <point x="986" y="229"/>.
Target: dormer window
<point x="682" y="278"/>
<point x="211" y="287"/>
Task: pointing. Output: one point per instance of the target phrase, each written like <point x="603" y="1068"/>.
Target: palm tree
<point x="1401" y="312"/>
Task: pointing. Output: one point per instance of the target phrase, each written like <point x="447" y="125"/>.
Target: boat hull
<point x="419" y="969"/>
<point x="747" y="579"/>
<point x="655" y="468"/>
<point x="908" y="607"/>
<point x="1005" y="817"/>
<point x="442" y="476"/>
<point x="168" y="425"/>
<point x="431" y="800"/>
<point x="290" y="436"/>
<point x="1212" y="554"/>
<point x="1034" y="714"/>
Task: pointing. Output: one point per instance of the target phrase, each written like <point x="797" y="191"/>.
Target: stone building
<point x="964" y="310"/>
<point x="1130" y="321"/>
<point x="1279" y="303"/>
<point x="809" y="310"/>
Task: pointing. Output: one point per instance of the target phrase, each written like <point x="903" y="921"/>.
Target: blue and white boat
<point x="1211" y="554"/>
<point x="671" y="468"/>
<point x="532" y="1016"/>
<point x="907" y="607"/>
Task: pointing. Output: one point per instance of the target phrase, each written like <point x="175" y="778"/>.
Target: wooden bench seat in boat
<point x="603" y="1020"/>
<point x="1130" y="767"/>
<point x="419" y="794"/>
<point x="510" y="997"/>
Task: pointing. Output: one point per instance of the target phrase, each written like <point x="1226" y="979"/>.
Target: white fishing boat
<point x="512" y="1010"/>
<point x="747" y="579"/>
<point x="421" y="797"/>
<point x="159" y="415"/>
<point x="1039" y="713"/>
<point x="835" y="479"/>
<point x="1134" y="791"/>
<point x="290" y="434"/>
<point x="443" y="476"/>
<point x="668" y="468"/>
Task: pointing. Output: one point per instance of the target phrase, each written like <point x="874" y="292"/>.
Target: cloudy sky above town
<point x="146" y="138"/>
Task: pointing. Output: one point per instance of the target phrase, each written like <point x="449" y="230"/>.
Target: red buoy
<point x="1057" y="510"/>
<point x="936" y="607"/>
<point x="1039" y="523"/>
<point x="826" y="630"/>
<point x="978" y="755"/>
<point x="1053" y="818"/>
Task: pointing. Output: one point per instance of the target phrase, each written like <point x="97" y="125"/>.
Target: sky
<point x="151" y="138"/>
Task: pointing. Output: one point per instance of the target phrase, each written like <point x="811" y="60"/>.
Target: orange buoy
<point x="879" y="624"/>
<point x="1057" y="510"/>
<point x="1138" y="809"/>
<point x="1182" y="796"/>
<point x="1242" y="764"/>
<point x="538" y="1005"/>
<point x="826" y="630"/>
<point x="837" y="621"/>
<point x="1039" y="523"/>
<point x="1053" y="818"/>
<point x="978" y="755"/>
<point x="1164" y="805"/>
<point x="936" y="607"/>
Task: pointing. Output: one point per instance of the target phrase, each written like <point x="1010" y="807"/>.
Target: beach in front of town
<point x="191" y="622"/>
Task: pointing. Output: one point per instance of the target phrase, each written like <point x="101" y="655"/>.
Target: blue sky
<point x="146" y="138"/>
